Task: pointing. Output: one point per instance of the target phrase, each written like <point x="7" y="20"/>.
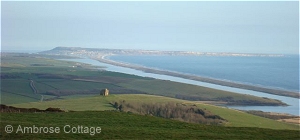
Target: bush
<point x="171" y="110"/>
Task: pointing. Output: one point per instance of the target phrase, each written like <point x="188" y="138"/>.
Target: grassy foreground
<point x="235" y="118"/>
<point x="118" y="125"/>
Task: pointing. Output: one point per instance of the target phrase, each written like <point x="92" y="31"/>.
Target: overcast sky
<point x="249" y="27"/>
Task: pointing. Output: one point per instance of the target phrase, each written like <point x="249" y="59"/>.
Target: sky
<point x="231" y="26"/>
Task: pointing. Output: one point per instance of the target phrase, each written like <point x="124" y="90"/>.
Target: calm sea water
<point x="274" y="72"/>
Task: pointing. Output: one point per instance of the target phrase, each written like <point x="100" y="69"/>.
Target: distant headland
<point x="94" y="51"/>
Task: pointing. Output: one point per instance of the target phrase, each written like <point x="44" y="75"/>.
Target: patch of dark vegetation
<point x="71" y="92"/>
<point x="170" y="110"/>
<point x="18" y="94"/>
<point x="191" y="97"/>
<point x="274" y="116"/>
<point x="230" y="100"/>
<point x="4" y="108"/>
<point x="50" y="109"/>
<point x="54" y="76"/>
<point x="9" y="76"/>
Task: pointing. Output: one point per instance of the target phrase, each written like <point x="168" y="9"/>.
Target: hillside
<point x="99" y="103"/>
<point x="118" y="125"/>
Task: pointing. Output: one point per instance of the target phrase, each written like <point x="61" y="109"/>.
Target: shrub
<point x="171" y="110"/>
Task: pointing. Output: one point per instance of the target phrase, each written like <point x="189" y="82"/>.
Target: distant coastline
<point x="104" y="59"/>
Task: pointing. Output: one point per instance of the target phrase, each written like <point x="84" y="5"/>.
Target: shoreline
<point x="279" y="92"/>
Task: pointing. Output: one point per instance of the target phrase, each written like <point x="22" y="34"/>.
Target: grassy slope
<point x="116" y="125"/>
<point x="98" y="103"/>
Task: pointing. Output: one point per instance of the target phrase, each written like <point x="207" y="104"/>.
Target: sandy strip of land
<point x="198" y="78"/>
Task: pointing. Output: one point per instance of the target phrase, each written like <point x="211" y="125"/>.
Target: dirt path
<point x="35" y="91"/>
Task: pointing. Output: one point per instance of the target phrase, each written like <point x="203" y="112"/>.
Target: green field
<point x="191" y="92"/>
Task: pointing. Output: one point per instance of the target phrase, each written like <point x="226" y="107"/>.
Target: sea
<point x="272" y="72"/>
